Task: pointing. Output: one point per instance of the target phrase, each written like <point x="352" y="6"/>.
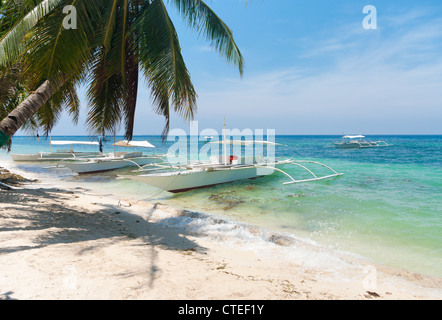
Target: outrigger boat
<point x="359" y="142"/>
<point x="115" y="160"/>
<point x="179" y="178"/>
<point x="60" y="154"/>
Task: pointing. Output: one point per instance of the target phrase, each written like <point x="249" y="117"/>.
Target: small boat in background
<point x="60" y="154"/>
<point x="359" y="142"/>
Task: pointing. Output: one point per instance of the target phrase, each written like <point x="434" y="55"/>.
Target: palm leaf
<point x="105" y="96"/>
<point x="130" y="82"/>
<point x="11" y="42"/>
<point x="65" y="98"/>
<point x="131" y="92"/>
<point x="55" y="53"/>
<point x="163" y="65"/>
<point x="202" y="18"/>
<point x="110" y="27"/>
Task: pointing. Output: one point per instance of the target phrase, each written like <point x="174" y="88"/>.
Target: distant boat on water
<point x="359" y="142"/>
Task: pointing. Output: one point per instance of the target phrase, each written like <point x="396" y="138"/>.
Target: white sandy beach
<point x="72" y="243"/>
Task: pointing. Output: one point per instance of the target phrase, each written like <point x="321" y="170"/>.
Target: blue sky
<point x="311" y="68"/>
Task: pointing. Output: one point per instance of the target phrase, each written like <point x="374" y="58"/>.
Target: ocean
<point x="387" y="207"/>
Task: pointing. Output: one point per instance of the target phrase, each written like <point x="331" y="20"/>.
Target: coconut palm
<point x="12" y="92"/>
<point x="115" y="41"/>
<point x="14" y="84"/>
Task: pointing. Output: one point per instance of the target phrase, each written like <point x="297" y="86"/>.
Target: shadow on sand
<point x="45" y="211"/>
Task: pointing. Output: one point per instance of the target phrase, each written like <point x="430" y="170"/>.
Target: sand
<point x="73" y="243"/>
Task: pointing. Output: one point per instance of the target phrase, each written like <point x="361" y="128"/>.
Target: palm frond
<point x="124" y="39"/>
<point x="111" y="20"/>
<point x="11" y="41"/>
<point x="105" y="96"/>
<point x="163" y="65"/>
<point x="55" y="53"/>
<point x="203" y="19"/>
<point x="13" y="92"/>
<point x="131" y="87"/>
<point x="65" y="98"/>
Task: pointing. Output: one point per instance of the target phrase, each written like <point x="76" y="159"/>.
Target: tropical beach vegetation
<point x="43" y="63"/>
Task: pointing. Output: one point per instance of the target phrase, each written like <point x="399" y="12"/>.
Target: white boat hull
<point x="197" y="178"/>
<point x="352" y="145"/>
<point x="361" y="145"/>
<point x="99" y="165"/>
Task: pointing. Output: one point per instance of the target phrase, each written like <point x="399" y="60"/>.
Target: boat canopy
<point x="125" y="143"/>
<point x="353" y="137"/>
<point x="64" y="143"/>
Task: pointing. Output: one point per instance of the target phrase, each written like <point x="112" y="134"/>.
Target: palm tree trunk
<point x="24" y="111"/>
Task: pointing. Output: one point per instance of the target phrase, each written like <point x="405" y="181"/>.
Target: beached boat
<point x="115" y="160"/>
<point x="60" y="154"/>
<point x="223" y="169"/>
<point x="359" y="142"/>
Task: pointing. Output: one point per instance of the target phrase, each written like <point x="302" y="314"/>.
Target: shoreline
<point x="74" y="243"/>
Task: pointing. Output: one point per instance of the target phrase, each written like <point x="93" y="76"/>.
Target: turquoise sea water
<point x="387" y="206"/>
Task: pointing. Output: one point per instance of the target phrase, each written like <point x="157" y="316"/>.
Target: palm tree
<point x="114" y="42"/>
<point x="12" y="93"/>
<point x="14" y="84"/>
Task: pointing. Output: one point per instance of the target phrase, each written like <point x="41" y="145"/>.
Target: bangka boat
<point x="115" y="160"/>
<point x="60" y="154"/>
<point x="359" y="142"/>
<point x="223" y="169"/>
